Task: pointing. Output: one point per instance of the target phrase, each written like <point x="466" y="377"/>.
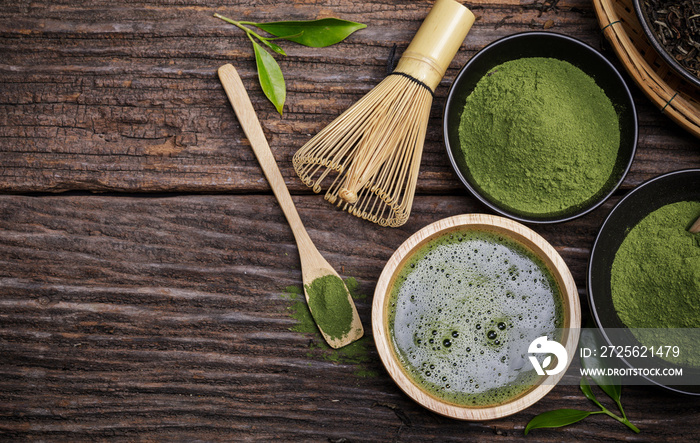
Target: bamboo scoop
<point x="313" y="265"/>
<point x="696" y="227"/>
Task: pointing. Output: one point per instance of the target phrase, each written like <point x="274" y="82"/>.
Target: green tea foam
<point x="463" y="311"/>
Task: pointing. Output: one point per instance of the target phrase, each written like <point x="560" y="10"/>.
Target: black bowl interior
<point x="669" y="188"/>
<point x="551" y="45"/>
<point x="651" y="37"/>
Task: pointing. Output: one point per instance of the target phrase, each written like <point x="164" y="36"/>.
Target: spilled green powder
<point x="330" y="306"/>
<point x="356" y="353"/>
<point x="539" y="136"/>
<point x="655" y="277"/>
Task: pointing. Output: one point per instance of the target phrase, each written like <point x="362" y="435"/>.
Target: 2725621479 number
<point x="634" y="351"/>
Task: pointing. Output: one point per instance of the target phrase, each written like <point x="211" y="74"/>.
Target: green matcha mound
<point x="330" y="306"/>
<point x="655" y="280"/>
<point x="539" y="136"/>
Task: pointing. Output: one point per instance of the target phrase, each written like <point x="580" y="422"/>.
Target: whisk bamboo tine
<point x="372" y="152"/>
<point x="380" y="143"/>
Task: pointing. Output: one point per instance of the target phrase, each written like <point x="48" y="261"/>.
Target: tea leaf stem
<point x="618" y="418"/>
<point x="619" y="406"/>
<point x="241" y="25"/>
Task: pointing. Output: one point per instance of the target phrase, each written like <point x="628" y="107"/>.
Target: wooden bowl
<point x="514" y="231"/>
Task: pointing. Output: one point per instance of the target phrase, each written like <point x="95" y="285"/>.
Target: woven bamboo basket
<point x="675" y="97"/>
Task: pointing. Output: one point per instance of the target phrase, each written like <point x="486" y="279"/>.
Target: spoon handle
<point x="243" y="108"/>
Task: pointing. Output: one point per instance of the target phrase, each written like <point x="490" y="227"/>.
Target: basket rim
<point x="680" y="107"/>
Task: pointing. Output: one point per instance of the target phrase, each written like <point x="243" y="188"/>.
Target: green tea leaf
<point x="614" y="390"/>
<point x="272" y="45"/>
<point x="313" y="33"/>
<point x="611" y="385"/>
<point x="556" y="419"/>
<point x="588" y="392"/>
<point x="284" y="37"/>
<point x="270" y="76"/>
<point x="586" y="389"/>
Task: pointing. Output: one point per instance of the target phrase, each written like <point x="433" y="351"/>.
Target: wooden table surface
<point x="146" y="271"/>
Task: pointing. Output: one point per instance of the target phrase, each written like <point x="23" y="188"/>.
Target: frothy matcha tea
<point x="463" y="311"/>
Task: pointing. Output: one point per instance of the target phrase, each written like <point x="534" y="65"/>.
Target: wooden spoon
<point x="313" y="265"/>
<point x="696" y="227"/>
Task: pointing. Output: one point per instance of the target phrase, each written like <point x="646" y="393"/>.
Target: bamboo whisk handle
<point x="437" y="41"/>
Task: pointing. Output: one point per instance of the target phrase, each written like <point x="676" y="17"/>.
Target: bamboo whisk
<point x="371" y="153"/>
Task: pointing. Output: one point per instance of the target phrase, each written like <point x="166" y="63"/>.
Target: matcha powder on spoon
<point x="329" y="305"/>
<point x="539" y="136"/>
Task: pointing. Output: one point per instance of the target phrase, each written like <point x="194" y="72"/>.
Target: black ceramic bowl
<point x="669" y="188"/>
<point x="653" y="39"/>
<point x="551" y="45"/>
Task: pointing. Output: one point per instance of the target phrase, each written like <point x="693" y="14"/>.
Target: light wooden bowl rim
<point x="514" y="230"/>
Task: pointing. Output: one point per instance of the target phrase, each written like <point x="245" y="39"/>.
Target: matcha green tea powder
<point x="330" y="306"/>
<point x="655" y="277"/>
<point x="539" y="136"/>
<point x="655" y="281"/>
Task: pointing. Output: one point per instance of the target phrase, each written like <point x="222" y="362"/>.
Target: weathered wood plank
<point x="161" y="319"/>
<point x="123" y="97"/>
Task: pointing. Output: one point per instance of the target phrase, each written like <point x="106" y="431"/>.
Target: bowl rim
<point x="589" y="269"/>
<point x="663" y="53"/>
<point x="578" y="43"/>
<point x="522" y="235"/>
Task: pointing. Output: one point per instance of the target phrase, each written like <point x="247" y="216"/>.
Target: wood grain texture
<point x="154" y="311"/>
<point x="161" y="319"/>
<point x="117" y="96"/>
